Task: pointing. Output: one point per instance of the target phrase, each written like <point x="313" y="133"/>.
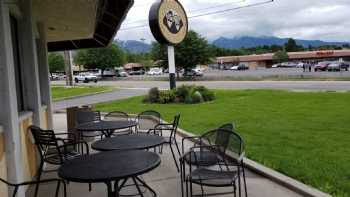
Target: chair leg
<point x="186" y="188"/>
<point x="58" y="188"/>
<point x="191" y="189"/>
<point x="177" y="147"/>
<point x="181" y="180"/>
<point x="90" y="187"/>
<point x="172" y="152"/>
<point x="239" y="181"/>
<point x="64" y="188"/>
<point x="245" y="182"/>
<point x="40" y="171"/>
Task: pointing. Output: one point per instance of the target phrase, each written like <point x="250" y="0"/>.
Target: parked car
<point x="155" y="71"/>
<point x="276" y="66"/>
<point x="193" y="73"/>
<point x="300" y="65"/>
<point x="137" y="72"/>
<point x="288" y="65"/>
<point x="344" y="65"/>
<point x="335" y="66"/>
<point x="121" y="73"/>
<point x="322" y="66"/>
<point x="85" y="77"/>
<point x="240" y="67"/>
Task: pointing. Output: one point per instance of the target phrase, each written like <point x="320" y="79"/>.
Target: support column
<point x="29" y="61"/>
<point x="8" y="101"/>
<point x="45" y="87"/>
<point x="172" y="69"/>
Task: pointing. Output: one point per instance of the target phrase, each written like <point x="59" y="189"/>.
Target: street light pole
<point x="171" y="63"/>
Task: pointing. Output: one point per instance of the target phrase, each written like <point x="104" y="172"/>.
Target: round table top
<point x="105" y="125"/>
<point x="128" y="142"/>
<point x="108" y="166"/>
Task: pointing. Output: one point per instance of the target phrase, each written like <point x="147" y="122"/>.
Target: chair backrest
<point x="148" y="119"/>
<point x="225" y="139"/>
<point x="44" y="139"/>
<point x="116" y="116"/>
<point x="175" y="126"/>
<point x="87" y="116"/>
<point x="228" y="126"/>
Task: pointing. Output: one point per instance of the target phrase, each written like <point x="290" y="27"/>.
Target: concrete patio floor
<point x="164" y="180"/>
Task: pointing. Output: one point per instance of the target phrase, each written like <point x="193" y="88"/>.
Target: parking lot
<point x="256" y="73"/>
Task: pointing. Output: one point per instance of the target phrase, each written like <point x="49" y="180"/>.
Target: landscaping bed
<point x="301" y="134"/>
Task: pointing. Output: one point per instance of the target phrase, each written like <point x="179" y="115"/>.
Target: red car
<point x="322" y="66"/>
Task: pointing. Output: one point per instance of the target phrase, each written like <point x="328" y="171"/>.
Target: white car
<point x="155" y="71"/>
<point x="85" y="77"/>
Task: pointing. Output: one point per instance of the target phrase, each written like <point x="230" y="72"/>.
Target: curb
<point x="274" y="176"/>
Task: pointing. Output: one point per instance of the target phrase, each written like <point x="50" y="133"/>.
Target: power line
<point x="232" y="9"/>
<point x="197" y="10"/>
<point x="209" y="13"/>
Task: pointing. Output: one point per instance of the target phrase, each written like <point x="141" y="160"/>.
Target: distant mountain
<point x="249" y="42"/>
<point x="134" y="46"/>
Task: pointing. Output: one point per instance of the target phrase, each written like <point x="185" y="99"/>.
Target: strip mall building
<point x="266" y="60"/>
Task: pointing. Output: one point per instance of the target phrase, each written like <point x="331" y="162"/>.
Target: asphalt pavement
<point x="135" y="86"/>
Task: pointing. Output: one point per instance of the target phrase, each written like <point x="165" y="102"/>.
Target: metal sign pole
<point x="172" y="69"/>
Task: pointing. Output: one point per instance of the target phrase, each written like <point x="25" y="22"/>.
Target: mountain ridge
<point x="135" y="46"/>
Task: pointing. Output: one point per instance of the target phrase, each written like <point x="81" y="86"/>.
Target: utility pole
<point x="172" y="68"/>
<point x="68" y="68"/>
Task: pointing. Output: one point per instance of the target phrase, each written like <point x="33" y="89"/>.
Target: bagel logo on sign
<point x="168" y="22"/>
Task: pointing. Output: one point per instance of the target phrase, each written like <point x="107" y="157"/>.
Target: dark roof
<point x="110" y="15"/>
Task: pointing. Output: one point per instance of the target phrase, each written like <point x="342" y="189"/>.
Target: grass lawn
<point x="301" y="134"/>
<point x="62" y="92"/>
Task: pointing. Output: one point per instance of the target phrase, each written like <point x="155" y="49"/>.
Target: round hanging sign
<point x="168" y="22"/>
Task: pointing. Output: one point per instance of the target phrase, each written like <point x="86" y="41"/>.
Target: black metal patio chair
<point x="85" y="116"/>
<point x="226" y="170"/>
<point x="119" y="116"/>
<point x="170" y="137"/>
<point x="17" y="185"/>
<point x="147" y="121"/>
<point x="55" y="150"/>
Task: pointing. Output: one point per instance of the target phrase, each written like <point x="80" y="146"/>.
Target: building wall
<point x="29" y="155"/>
<point x="3" y="166"/>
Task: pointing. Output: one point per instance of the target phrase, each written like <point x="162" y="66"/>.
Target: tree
<point x="291" y="46"/>
<point x="194" y="50"/>
<point x="56" y="62"/>
<point x="281" y="56"/>
<point x="101" y="58"/>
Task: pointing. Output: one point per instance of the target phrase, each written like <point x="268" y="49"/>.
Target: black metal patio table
<point x="128" y="142"/>
<point x="106" y="127"/>
<point x="110" y="168"/>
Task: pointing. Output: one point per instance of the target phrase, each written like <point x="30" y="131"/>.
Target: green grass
<point x="301" y="134"/>
<point x="61" y="92"/>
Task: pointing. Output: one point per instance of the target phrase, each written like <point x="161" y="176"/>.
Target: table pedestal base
<point x="138" y="184"/>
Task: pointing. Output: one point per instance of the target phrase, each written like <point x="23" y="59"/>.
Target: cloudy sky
<point x="327" y="20"/>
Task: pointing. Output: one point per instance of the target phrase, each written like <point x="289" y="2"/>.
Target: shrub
<point x="167" y="96"/>
<point x="183" y="94"/>
<point x="197" y="97"/>
<point x="153" y="95"/>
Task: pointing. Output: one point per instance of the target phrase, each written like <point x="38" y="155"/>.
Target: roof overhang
<point x="80" y="23"/>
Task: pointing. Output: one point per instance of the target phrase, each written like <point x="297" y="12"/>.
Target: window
<point x="17" y="63"/>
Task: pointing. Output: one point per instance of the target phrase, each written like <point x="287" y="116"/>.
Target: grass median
<point x="62" y="92"/>
<point x="304" y="135"/>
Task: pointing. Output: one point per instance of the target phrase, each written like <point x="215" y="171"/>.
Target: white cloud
<point x="304" y="19"/>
